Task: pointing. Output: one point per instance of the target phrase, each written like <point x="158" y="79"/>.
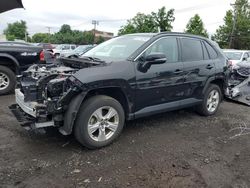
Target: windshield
<point x="233" y="55"/>
<point x="81" y="48"/>
<point x="119" y="48"/>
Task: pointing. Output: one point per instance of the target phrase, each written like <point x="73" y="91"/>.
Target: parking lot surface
<point x="175" y="149"/>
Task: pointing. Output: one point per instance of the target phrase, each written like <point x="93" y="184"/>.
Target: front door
<point x="161" y="83"/>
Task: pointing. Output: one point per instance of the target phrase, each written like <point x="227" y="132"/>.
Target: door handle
<point x="178" y="71"/>
<point x="209" y="66"/>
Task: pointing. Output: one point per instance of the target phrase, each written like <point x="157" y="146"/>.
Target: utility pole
<point x="49" y="32"/>
<point x="95" y="23"/>
<point x="26" y="36"/>
<point x="232" y="37"/>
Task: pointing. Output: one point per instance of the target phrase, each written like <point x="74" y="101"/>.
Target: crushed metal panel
<point x="239" y="84"/>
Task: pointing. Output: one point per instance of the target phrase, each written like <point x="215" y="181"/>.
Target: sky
<point x="111" y="14"/>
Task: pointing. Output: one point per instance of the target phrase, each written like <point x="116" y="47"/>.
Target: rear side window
<point x="212" y="53"/>
<point x="191" y="50"/>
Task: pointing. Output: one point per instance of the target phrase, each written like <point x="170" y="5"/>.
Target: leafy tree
<point x="16" y="30"/>
<point x="141" y="23"/>
<point x="40" y="37"/>
<point x="240" y="35"/>
<point x="163" y="20"/>
<point x="65" y="29"/>
<point x="196" y="26"/>
<point x="154" y="22"/>
<point x="99" y="40"/>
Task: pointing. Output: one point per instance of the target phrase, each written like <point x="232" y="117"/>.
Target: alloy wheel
<point x="4" y="81"/>
<point x="213" y="101"/>
<point x="103" y="123"/>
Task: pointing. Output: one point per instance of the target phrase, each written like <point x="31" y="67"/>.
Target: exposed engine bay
<point x="239" y="83"/>
<point x="44" y="91"/>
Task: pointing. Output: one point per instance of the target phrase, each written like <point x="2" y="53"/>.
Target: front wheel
<point x="211" y="101"/>
<point x="100" y="121"/>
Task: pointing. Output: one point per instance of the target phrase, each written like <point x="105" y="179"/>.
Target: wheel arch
<point x="10" y="62"/>
<point x="74" y="106"/>
<point x="217" y="81"/>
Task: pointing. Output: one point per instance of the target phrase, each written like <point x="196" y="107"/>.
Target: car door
<point x="161" y="83"/>
<point x="198" y="66"/>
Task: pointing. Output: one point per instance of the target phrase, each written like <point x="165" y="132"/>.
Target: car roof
<point x="169" y="33"/>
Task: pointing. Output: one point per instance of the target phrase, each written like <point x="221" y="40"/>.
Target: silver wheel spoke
<point x="112" y="126"/>
<point x="94" y="127"/>
<point x="111" y="113"/>
<point x="98" y="114"/>
<point x="101" y="135"/>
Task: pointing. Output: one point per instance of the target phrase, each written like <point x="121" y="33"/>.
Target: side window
<point x="205" y="53"/>
<point x="66" y="47"/>
<point x="191" y="50"/>
<point x="73" y="47"/>
<point x="212" y="53"/>
<point x="167" y="46"/>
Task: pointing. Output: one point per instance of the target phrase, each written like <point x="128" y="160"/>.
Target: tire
<point x="89" y="120"/>
<point x="7" y="75"/>
<point x="204" y="108"/>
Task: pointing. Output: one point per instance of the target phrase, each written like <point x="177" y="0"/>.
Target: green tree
<point x="239" y="35"/>
<point x="16" y="30"/>
<point x="154" y="22"/>
<point x="163" y="20"/>
<point x="141" y="23"/>
<point x="40" y="37"/>
<point x="65" y="29"/>
<point x="196" y="26"/>
<point x="99" y="40"/>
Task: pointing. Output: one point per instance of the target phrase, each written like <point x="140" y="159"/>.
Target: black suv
<point x="125" y="78"/>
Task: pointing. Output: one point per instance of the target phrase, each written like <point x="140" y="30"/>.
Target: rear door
<point x="198" y="66"/>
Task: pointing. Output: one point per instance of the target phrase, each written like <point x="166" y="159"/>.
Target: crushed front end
<point x="239" y="84"/>
<point x="43" y="93"/>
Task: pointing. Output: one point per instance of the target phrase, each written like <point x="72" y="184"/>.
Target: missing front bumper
<point x="27" y="121"/>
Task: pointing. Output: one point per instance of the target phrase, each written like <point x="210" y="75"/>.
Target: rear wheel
<point x="211" y="101"/>
<point x="7" y="80"/>
<point x="100" y="121"/>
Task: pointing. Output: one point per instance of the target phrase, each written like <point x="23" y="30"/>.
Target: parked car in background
<point x="124" y="78"/>
<point x="62" y="48"/>
<point x="46" y="46"/>
<point x="76" y="52"/>
<point x="236" y="56"/>
<point x="16" y="57"/>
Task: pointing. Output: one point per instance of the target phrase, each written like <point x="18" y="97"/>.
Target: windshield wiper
<point x="93" y="59"/>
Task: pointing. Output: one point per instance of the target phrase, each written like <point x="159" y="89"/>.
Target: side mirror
<point x="155" y="59"/>
<point x="152" y="59"/>
<point x="244" y="59"/>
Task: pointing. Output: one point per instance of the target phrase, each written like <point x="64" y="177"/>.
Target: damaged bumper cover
<point x="29" y="114"/>
<point x="239" y="84"/>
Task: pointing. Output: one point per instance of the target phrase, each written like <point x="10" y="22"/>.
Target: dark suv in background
<point x="125" y="78"/>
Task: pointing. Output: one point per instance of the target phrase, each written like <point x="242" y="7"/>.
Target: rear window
<point x="212" y="53"/>
<point x="191" y="50"/>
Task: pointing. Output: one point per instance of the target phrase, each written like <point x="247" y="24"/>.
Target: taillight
<point x="42" y="56"/>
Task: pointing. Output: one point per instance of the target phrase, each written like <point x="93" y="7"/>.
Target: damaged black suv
<point x="124" y="78"/>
